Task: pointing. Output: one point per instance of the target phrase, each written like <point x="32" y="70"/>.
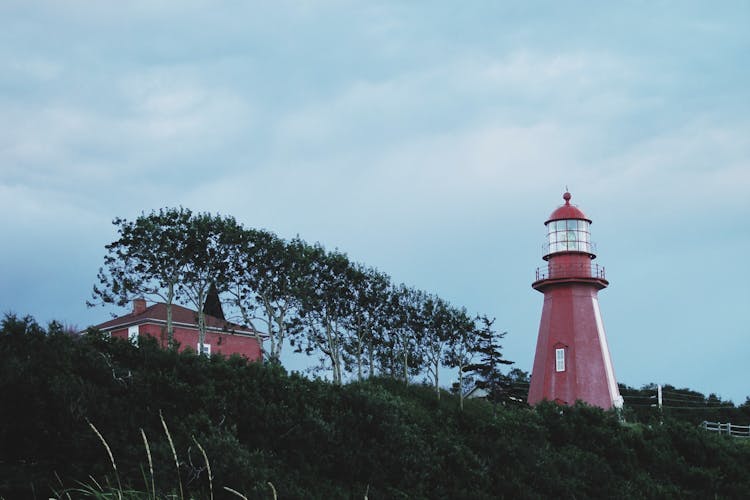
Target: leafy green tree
<point x="461" y="347"/>
<point x="13" y="325"/>
<point x="149" y="260"/>
<point x="366" y="323"/>
<point x="213" y="242"/>
<point x="267" y="286"/>
<point x="517" y="387"/>
<point x="400" y="352"/>
<point x="438" y="329"/>
<point x="326" y="304"/>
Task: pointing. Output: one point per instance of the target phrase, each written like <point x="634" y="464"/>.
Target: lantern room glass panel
<point x="571" y="238"/>
<point x="568" y="235"/>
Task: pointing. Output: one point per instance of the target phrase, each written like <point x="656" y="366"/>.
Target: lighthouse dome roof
<point x="567" y="211"/>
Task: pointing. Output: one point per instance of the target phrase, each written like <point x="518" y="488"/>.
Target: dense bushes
<point x="312" y="439"/>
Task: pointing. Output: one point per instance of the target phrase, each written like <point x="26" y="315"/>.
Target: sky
<point x="430" y="140"/>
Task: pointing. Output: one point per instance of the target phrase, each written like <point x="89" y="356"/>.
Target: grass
<point x="95" y="489"/>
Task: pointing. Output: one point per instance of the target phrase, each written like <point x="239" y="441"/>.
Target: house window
<point x="133" y="334"/>
<point x="560" y="360"/>
<point x="206" y="348"/>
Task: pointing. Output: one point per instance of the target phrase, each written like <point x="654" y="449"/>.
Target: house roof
<point x="476" y="392"/>
<point x="181" y="317"/>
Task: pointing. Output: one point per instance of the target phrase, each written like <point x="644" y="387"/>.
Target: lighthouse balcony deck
<point x="570" y="270"/>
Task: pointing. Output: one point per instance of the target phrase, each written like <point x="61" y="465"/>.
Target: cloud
<point x="155" y="124"/>
<point x="518" y="89"/>
<point x="168" y="107"/>
<point x="38" y="69"/>
<point x="431" y="141"/>
<point x="690" y="165"/>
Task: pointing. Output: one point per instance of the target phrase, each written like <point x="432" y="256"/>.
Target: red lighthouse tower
<point x="572" y="359"/>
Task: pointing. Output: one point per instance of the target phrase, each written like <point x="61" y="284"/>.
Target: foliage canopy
<point x="314" y="439"/>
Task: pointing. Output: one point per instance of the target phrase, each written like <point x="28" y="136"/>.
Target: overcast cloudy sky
<point x="428" y="139"/>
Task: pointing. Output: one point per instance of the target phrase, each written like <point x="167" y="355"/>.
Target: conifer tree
<point x="486" y="369"/>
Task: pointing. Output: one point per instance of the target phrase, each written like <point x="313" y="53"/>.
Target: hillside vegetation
<point x="312" y="439"/>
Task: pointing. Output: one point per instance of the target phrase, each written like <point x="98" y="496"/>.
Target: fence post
<point x="658" y="395"/>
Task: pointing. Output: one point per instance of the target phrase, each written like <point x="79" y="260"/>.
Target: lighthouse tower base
<point x="572" y="359"/>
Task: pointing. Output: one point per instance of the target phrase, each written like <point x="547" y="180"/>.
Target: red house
<point x="222" y="337"/>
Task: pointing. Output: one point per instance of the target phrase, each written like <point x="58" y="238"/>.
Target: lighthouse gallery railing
<point x="570" y="270"/>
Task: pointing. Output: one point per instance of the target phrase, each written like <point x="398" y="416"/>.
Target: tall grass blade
<point x="230" y="490"/>
<point x="111" y="457"/>
<point x="150" y="463"/>
<point x="208" y="467"/>
<point x="174" y="454"/>
<point x="93" y="480"/>
<point x="57" y="476"/>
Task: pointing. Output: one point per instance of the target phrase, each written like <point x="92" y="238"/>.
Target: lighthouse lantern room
<point x="572" y="360"/>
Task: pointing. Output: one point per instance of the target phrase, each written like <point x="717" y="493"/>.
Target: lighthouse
<point x="572" y="360"/>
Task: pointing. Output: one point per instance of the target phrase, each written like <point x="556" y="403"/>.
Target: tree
<point x="267" y="284"/>
<point x="369" y="289"/>
<point x="326" y="303"/>
<point x="436" y="334"/>
<point x="401" y="350"/>
<point x="487" y="368"/>
<point x="517" y="387"/>
<point x="12" y="325"/>
<point x="212" y="243"/>
<point x="461" y="347"/>
<point x="148" y="260"/>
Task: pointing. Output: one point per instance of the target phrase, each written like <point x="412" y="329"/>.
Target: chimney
<point x="139" y="305"/>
